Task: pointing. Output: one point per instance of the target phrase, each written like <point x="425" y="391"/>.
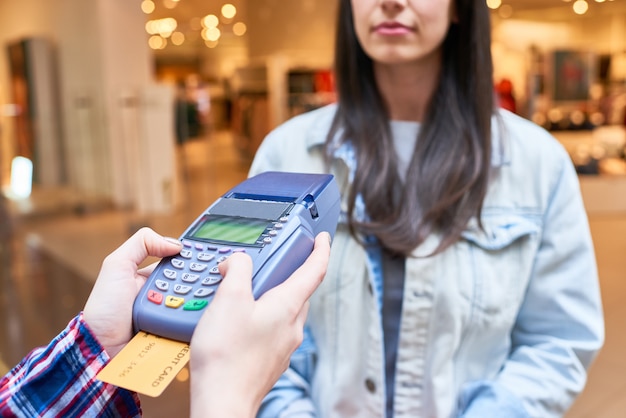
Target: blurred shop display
<point x="249" y="110"/>
<point x="580" y="97"/>
<point x="600" y="151"/>
<point x="309" y="89"/>
<point x="187" y="117"/>
<point x="571" y="75"/>
<point x="34" y="92"/>
<point x="250" y="120"/>
<point x="265" y="95"/>
<point x="577" y="90"/>
<point x="565" y="90"/>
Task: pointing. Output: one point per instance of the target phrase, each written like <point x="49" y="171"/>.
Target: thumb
<point x="143" y="243"/>
<point x="237" y="273"/>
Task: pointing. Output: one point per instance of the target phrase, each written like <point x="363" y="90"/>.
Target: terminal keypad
<point x="191" y="277"/>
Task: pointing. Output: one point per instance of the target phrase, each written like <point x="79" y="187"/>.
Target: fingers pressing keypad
<point x="190" y="278"/>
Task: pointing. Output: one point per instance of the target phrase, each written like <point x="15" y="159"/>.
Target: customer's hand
<point x="240" y="346"/>
<point x="108" y="311"/>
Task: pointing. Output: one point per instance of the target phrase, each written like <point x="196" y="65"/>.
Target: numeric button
<point x="182" y="289"/>
<point x="162" y="285"/>
<point x="211" y="280"/>
<point x="205" y="257"/>
<point x="190" y="278"/>
<point x="204" y="292"/>
<point x="169" y="274"/>
<point x="178" y="263"/>
<point x="197" y="267"/>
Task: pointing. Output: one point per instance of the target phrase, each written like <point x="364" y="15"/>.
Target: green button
<point x="195" y="305"/>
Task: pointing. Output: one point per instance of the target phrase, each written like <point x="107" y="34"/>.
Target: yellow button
<point x="174" y="302"/>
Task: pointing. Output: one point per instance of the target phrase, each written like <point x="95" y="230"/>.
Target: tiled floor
<point x="52" y="262"/>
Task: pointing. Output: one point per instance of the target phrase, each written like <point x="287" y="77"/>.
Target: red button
<point x="155" y="297"/>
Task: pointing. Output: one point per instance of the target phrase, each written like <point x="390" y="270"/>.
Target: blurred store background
<point x="120" y="113"/>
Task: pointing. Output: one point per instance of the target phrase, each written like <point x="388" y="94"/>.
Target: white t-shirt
<point x="404" y="135"/>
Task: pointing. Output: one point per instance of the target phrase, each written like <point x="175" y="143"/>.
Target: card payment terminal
<point x="273" y="217"/>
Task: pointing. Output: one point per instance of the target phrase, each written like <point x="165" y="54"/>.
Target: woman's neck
<point x="407" y="88"/>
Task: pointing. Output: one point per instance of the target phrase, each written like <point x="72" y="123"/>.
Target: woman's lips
<point x="392" y="29"/>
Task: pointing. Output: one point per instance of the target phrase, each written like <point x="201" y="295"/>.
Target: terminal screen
<point x="229" y="229"/>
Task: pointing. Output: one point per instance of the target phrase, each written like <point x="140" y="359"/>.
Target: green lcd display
<point x="229" y="229"/>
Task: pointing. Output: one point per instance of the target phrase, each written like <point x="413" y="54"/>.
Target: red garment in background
<point x="506" y="100"/>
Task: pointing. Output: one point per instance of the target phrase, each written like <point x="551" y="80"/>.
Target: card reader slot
<point x="251" y="208"/>
<point x="250" y="196"/>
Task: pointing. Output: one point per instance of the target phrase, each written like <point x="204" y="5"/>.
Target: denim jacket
<point x="504" y="323"/>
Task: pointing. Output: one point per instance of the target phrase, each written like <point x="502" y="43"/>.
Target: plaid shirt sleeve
<point x="60" y="380"/>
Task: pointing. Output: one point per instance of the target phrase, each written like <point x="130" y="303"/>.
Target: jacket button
<point x="370" y="385"/>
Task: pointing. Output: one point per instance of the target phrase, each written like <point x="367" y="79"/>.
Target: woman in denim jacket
<point x="462" y="280"/>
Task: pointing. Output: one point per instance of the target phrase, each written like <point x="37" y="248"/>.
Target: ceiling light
<point x="210" y="21"/>
<point x="580" y="7"/>
<point x="157" y="42"/>
<point x="211" y="34"/>
<point x="229" y="11"/>
<point x="239" y="28"/>
<point x="147" y="6"/>
<point x="178" y="38"/>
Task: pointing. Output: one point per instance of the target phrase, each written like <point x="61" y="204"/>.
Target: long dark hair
<point x="448" y="175"/>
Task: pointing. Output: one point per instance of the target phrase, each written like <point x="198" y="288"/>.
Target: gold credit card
<point x="147" y="364"/>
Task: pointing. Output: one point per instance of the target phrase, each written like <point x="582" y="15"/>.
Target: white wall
<point x="81" y="77"/>
<point x="126" y="70"/>
<point x="19" y="19"/>
<point x="105" y="62"/>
